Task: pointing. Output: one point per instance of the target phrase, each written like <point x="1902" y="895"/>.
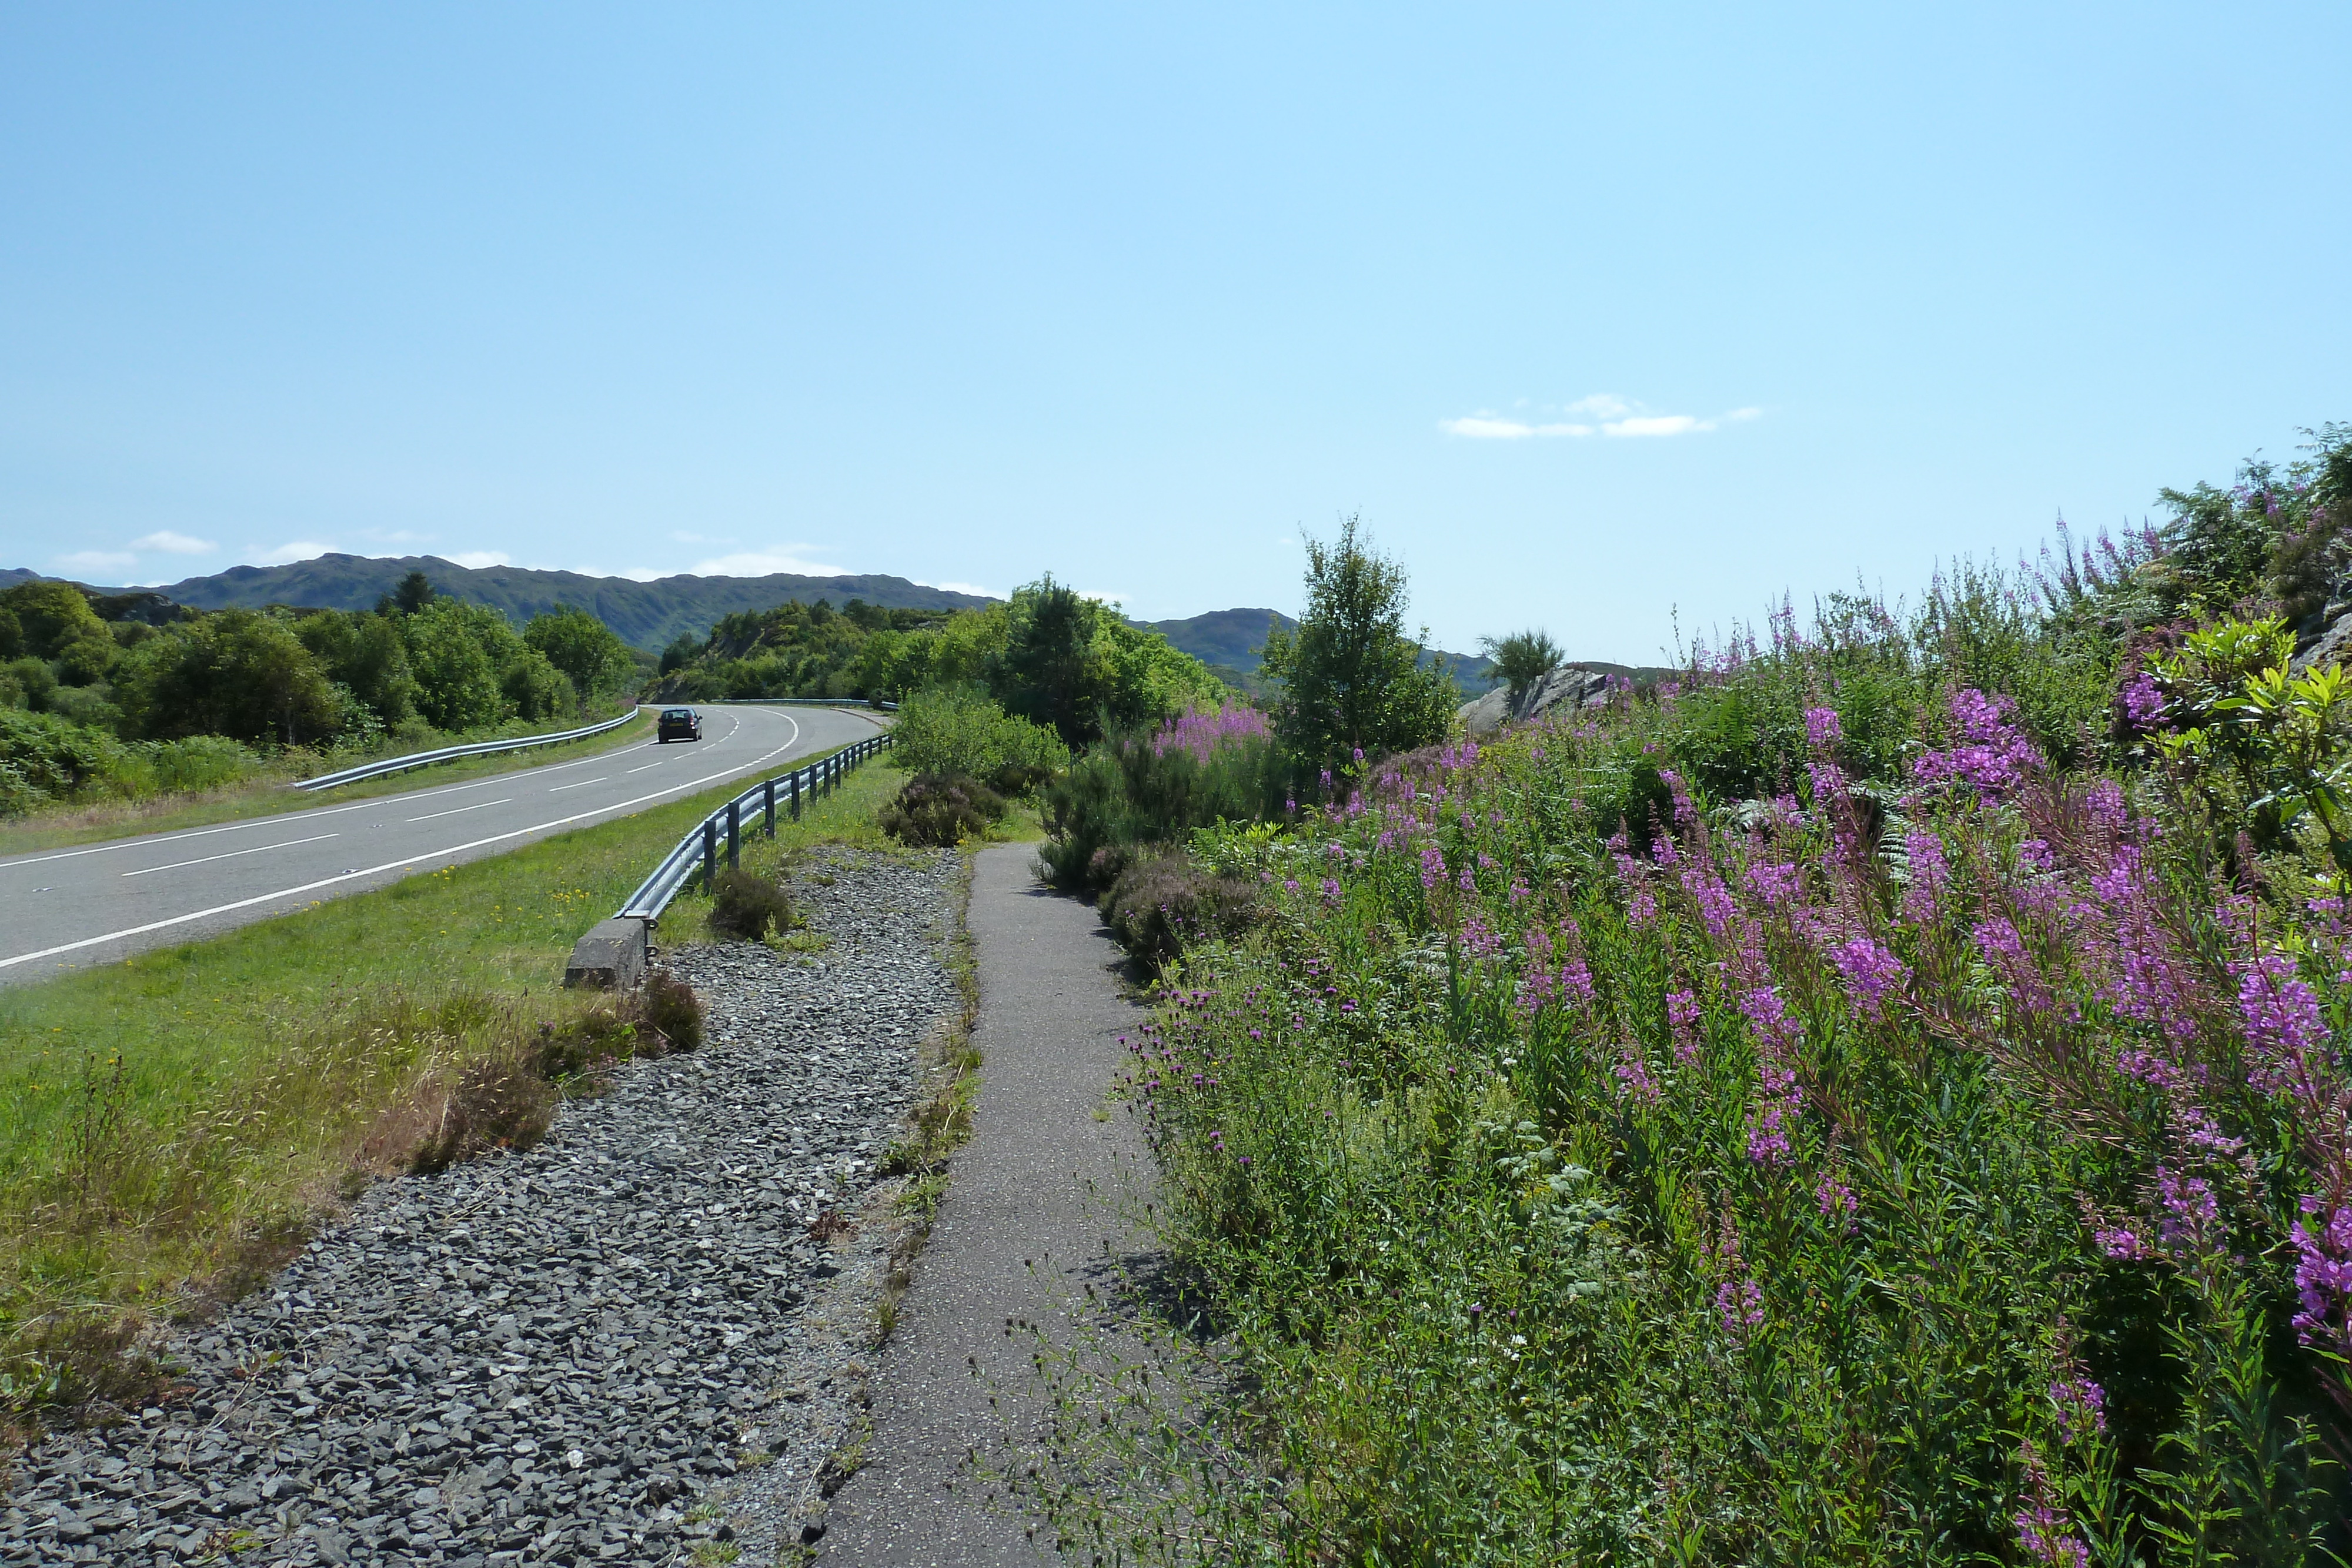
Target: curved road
<point x="66" y="909"/>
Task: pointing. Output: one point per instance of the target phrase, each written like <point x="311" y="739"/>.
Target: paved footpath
<point x="1050" y="1014"/>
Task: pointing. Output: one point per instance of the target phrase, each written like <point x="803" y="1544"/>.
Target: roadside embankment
<point x="553" y="1355"/>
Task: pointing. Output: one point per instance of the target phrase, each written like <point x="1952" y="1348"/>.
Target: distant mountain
<point x="647" y="614"/>
<point x="1229" y="642"/>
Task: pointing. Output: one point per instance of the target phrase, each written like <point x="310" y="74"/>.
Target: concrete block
<point x="612" y="957"/>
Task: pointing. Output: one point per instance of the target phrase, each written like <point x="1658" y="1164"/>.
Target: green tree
<point x="1522" y="659"/>
<point x="534" y="688"/>
<point x="589" y="654"/>
<point x="415" y="593"/>
<point x="365" y="654"/>
<point x="51" y="615"/>
<point x="1350" y="684"/>
<point x="238" y="672"/>
<point x="456" y="652"/>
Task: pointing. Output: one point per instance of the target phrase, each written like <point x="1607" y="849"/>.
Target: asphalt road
<point x="66" y="909"/>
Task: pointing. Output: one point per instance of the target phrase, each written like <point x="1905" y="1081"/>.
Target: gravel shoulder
<point x="631" y="1344"/>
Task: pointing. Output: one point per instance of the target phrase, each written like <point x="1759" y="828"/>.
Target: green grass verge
<point x="171" y="1123"/>
<point x="268" y="792"/>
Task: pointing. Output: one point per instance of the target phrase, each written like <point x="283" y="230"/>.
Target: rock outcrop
<point x="1570" y="686"/>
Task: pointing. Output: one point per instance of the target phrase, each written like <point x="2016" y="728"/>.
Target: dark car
<point x="678" y="724"/>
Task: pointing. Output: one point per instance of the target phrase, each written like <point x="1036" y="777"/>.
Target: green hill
<point x="646" y="614"/>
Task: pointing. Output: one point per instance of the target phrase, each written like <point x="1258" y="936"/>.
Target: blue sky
<point x="1596" y="315"/>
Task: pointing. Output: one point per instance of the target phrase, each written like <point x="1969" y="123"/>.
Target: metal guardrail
<point x="701" y="849"/>
<point x="450" y="753"/>
<point x="876" y="703"/>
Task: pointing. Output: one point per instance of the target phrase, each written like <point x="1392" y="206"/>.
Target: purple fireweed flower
<point x="1931" y="875"/>
<point x="2323" y="1276"/>
<point x="1990" y="754"/>
<point x="2004" y="949"/>
<point x="1331" y="890"/>
<point x="1823" y="729"/>
<point x="1870" y="972"/>
<point x="2283" y="1024"/>
<point x="1836" y="1201"/>
<point x="1479" y="939"/>
<point x="1682" y="1016"/>
<point x="1432" y="866"/>
<point x="1778" y="1098"/>
<point x="1715" y="905"/>
<point x="2188" y="1213"/>
<point x="1632" y="1074"/>
<point x="1777" y="886"/>
<point x="1201" y="731"/>
<point x="2082" y="1408"/>
<point x="1467" y="881"/>
<point x="1740" y="1304"/>
<point x="2044" y="1531"/>
<point x="1686" y="810"/>
<point x="2142" y="702"/>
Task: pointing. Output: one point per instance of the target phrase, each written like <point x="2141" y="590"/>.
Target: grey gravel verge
<point x="562" y="1356"/>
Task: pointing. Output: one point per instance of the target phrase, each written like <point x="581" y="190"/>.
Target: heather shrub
<point x="1203" y="767"/>
<point x="670" y="1005"/>
<point x="745" y="904"/>
<point x="1164" y="903"/>
<point x="958" y="732"/>
<point x="941" y="810"/>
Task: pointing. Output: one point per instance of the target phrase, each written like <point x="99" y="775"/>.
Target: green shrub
<point x="745" y="904"/>
<point x="958" y="731"/>
<point x="56" y="757"/>
<point x="198" y="762"/>
<point x="1164" y="903"/>
<point x="941" y="809"/>
<point x="1130" y="792"/>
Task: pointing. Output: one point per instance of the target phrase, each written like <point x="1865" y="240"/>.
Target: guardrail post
<point x="768" y="806"/>
<point x="734" y="835"/>
<point x="796" y="793"/>
<point x="710" y="852"/>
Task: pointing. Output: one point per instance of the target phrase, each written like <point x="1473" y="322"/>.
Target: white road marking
<point x="581" y="784"/>
<point x="642" y="769"/>
<point x="454" y="810"/>
<point x="232" y="855"/>
<point x="406" y="862"/>
<point x="378" y="801"/>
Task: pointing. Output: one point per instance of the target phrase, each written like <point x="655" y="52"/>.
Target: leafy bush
<point x="55" y="758"/>
<point x="941" y="810"/>
<point x="1161" y="904"/>
<point x="198" y="762"/>
<point x="958" y="731"/>
<point x="745" y="904"/>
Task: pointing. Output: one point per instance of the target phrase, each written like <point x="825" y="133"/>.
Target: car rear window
<point x="678" y="713"/>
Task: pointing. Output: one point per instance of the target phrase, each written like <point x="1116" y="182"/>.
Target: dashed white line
<point x="453" y="810"/>
<point x="581" y="784"/>
<point x="232" y="855"/>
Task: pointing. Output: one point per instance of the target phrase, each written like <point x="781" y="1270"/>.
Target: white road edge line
<point x="232" y="855"/>
<point x="408" y="860"/>
<point x="374" y="801"/>
<point x="455" y="811"/>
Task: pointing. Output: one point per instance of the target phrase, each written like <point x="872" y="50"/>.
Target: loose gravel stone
<point x="562" y="1355"/>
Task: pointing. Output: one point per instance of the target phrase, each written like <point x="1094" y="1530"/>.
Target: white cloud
<point x="971" y="587"/>
<point x="174" y="544"/>
<point x="761" y="563"/>
<point x="1619" y="418"/>
<point x="96" y="560"/>
<point x="474" y="559"/>
<point x="294" y="550"/>
<point x="1656" y="425"/>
